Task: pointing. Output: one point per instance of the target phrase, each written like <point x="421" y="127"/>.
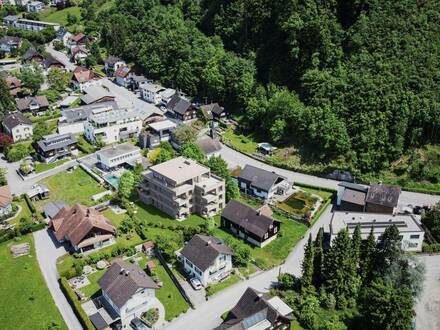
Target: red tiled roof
<point x="79" y="37"/>
<point x="122" y="72"/>
<point x="82" y="74"/>
<point x="5" y="196"/>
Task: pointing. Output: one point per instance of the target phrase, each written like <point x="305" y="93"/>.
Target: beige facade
<point x="181" y="186"/>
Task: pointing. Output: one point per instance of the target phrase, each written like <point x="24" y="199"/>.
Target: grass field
<point x="42" y="167"/>
<point x="213" y="289"/>
<point x="59" y="16"/>
<point x="93" y="288"/>
<point x="26" y="302"/>
<point x="243" y="143"/>
<point x="71" y="187"/>
<point x="298" y="203"/>
<point x="25" y="212"/>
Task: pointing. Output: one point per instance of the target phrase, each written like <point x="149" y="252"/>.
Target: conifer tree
<point x="307" y="265"/>
<point x="356" y="245"/>
<point x="318" y="258"/>
<point x="367" y="258"/>
<point x="388" y="249"/>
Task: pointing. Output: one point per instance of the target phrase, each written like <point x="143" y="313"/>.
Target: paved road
<point x="60" y="56"/>
<point x="47" y="254"/>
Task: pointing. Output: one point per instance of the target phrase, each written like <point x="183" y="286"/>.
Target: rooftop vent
<point x="122" y="271"/>
<point x="127" y="272"/>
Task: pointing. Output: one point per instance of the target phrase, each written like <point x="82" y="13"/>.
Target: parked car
<point x="137" y="324"/>
<point x="195" y="283"/>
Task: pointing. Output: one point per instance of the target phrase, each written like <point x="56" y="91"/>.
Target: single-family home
<point x="32" y="56"/>
<point x="260" y="183"/>
<point x="34" y="104"/>
<point x="52" y="208"/>
<point x="95" y="93"/>
<point x="14" y="85"/>
<point x="181" y="108"/>
<point x="38" y="192"/>
<point x="213" y="111"/>
<point x="34" y="6"/>
<point x="210" y="147"/>
<point x="119" y="155"/>
<point x="84" y="228"/>
<point x="112" y="126"/>
<point x="249" y="224"/>
<point x="136" y="81"/>
<point x="56" y="146"/>
<point x="123" y="75"/>
<point x="206" y="258"/>
<point x="151" y="92"/>
<point x="72" y="120"/>
<point x="64" y="36"/>
<point x="78" y="53"/>
<point x="51" y="62"/>
<point x="5" y="200"/>
<point x="410" y="230"/>
<point x="112" y="64"/>
<point x="9" y="44"/>
<point x="351" y="197"/>
<point x="166" y="95"/>
<point x="258" y="310"/>
<point x="18" y="127"/>
<point x="84" y="77"/>
<point x="78" y="39"/>
<point x="158" y="131"/>
<point x="127" y="292"/>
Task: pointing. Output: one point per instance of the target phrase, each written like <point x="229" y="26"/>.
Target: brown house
<point x="84" y="228"/>
<point x="181" y="108"/>
<point x="34" y="104"/>
<point x="14" y="85"/>
<point x="249" y="224"/>
<point x="382" y="198"/>
<point x="32" y="55"/>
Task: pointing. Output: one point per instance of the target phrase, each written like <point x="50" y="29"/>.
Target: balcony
<point x="209" y="198"/>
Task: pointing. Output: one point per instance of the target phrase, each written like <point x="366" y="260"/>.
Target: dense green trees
<point x="32" y="78"/>
<point x="431" y="219"/>
<point x="7" y="103"/>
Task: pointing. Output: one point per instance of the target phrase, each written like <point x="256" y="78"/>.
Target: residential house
<point x="119" y="155"/>
<point x="78" y="39"/>
<point x="112" y="64"/>
<point x="123" y="75"/>
<point x="32" y="56"/>
<point x="136" y="81"/>
<point x="181" y="108"/>
<point x="38" y="192"/>
<point x="9" y="44"/>
<point x="34" y="6"/>
<point x="18" y="127"/>
<point x="158" y="132"/>
<point x="166" y="95"/>
<point x="94" y="94"/>
<point x="210" y="147"/>
<point x="64" y="36"/>
<point x="56" y="146"/>
<point x="34" y="104"/>
<point x="127" y="292"/>
<point x="28" y="24"/>
<point x="112" y="126"/>
<point x="151" y="92"/>
<point x="206" y="258"/>
<point x="213" y="111"/>
<point x="409" y="228"/>
<point x="84" y="228"/>
<point x="83" y="78"/>
<point x="51" y="62"/>
<point x="249" y="224"/>
<point x="181" y="186"/>
<point x="14" y="85"/>
<point x="260" y="183"/>
<point x="52" y="208"/>
<point x="257" y="310"/>
<point x="5" y="201"/>
<point x="78" y="53"/>
<point x="351" y="197"/>
<point x="72" y="120"/>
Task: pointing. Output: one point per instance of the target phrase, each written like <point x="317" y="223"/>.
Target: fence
<point x="173" y="277"/>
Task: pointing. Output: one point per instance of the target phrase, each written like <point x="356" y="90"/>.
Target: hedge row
<point x="8" y="234"/>
<point x="305" y="185"/>
<point x="74" y="302"/>
<point x="430" y="248"/>
<point x="30" y="204"/>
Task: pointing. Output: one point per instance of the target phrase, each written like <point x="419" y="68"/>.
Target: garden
<point x="299" y="203"/>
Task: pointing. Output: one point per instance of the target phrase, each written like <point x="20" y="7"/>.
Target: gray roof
<point x="353" y="186"/>
<point x="83" y="112"/>
<point x="8" y="40"/>
<point x="383" y="194"/>
<point x="50" y="60"/>
<point x="113" y="116"/>
<point x="30" y="53"/>
<point x="209" y="145"/>
<point x="56" y="141"/>
<point x="15" y="119"/>
<point x="202" y="250"/>
<point x="95" y="93"/>
<point x="112" y="60"/>
<point x="51" y="209"/>
<point x="178" y="104"/>
<point x="259" y="178"/>
<point x="212" y="108"/>
<point x="25" y="103"/>
<point x="247" y="218"/>
<point x="354" y="196"/>
<point x="122" y="280"/>
<point x="10" y="18"/>
<point x="117" y="150"/>
<point x="98" y="321"/>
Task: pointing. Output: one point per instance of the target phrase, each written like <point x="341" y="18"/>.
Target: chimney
<point x="121" y="271"/>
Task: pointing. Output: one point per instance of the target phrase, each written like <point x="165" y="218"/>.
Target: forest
<point x="354" y="81"/>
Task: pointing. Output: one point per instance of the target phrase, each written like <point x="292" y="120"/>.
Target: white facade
<point x="34" y="6"/>
<point x="30" y="25"/>
<point x="116" y="156"/>
<point x="219" y="269"/>
<point x="20" y="132"/>
<point x="74" y="128"/>
<point x="82" y="86"/>
<point x="151" y="93"/>
<point x="6" y="210"/>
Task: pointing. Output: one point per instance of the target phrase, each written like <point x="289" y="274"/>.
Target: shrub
<point x="17" y="152"/>
<point x="430" y="248"/>
<point x="30" y="204"/>
<point x="151" y="316"/>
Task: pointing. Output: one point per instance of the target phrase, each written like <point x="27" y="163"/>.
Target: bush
<point x="17" y="152"/>
<point x="151" y="316"/>
<point x="30" y="204"/>
<point x="431" y="248"/>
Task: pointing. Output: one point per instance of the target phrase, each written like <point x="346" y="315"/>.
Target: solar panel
<point x="377" y="224"/>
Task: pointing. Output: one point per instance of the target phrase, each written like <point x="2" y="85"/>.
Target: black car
<point x="137" y="324"/>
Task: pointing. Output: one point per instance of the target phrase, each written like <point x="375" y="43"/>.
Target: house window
<point x="266" y="236"/>
<point x="275" y="230"/>
<point x="414" y="236"/>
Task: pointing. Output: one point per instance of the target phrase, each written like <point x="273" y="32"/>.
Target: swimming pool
<point x="113" y="180"/>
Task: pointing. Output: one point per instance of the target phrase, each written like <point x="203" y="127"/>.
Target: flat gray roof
<point x="114" y="115"/>
<point x="117" y="150"/>
<point x="161" y="125"/>
<point x="180" y="169"/>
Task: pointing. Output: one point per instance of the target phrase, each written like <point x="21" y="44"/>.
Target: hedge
<point x="320" y="211"/>
<point x="30" y="204"/>
<point x="305" y="185"/>
<point x="74" y="302"/>
<point x="430" y="248"/>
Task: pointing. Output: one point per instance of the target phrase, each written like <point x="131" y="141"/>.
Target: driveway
<point x="428" y="307"/>
<point x="60" y="56"/>
<point x="48" y="251"/>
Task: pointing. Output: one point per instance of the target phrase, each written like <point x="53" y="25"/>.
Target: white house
<point x="119" y="155"/>
<point x="112" y="126"/>
<point x="151" y="92"/>
<point x="83" y="78"/>
<point x="127" y="291"/>
<point x="123" y="75"/>
<point x="112" y="63"/>
<point x="5" y="200"/>
<point x="409" y="228"/>
<point x="206" y="258"/>
<point x="34" y="6"/>
<point x="18" y="126"/>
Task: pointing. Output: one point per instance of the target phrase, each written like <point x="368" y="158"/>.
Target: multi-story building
<point x="119" y="155"/>
<point x="181" y="186"/>
<point x="112" y="126"/>
<point x="56" y="146"/>
<point x="27" y="24"/>
<point x="18" y="126"/>
<point x="158" y="132"/>
<point x="34" y="6"/>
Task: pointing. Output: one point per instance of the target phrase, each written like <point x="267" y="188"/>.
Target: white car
<point x="196" y="284"/>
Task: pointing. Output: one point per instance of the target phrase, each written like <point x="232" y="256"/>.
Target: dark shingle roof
<point x="50" y="60"/>
<point x="259" y="178"/>
<point x="122" y="280"/>
<point x="247" y="218"/>
<point x="383" y="194"/>
<point x="8" y="40"/>
<point x="203" y="250"/>
<point x="15" y="119"/>
<point x="353" y="186"/>
<point x="178" y="104"/>
<point x="24" y="103"/>
<point x="354" y="196"/>
<point x="112" y="60"/>
<point x="56" y="141"/>
<point x="30" y="54"/>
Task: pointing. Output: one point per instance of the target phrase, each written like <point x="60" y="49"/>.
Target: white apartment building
<point x="119" y="155"/>
<point x="151" y="92"/>
<point x="112" y="126"/>
<point x="410" y="229"/>
<point x="27" y="24"/>
<point x="181" y="186"/>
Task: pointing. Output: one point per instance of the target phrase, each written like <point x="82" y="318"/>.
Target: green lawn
<point x="71" y="187"/>
<point x="321" y="193"/>
<point x="42" y="167"/>
<point x="24" y="213"/>
<point x="93" y="288"/>
<point x="214" y="288"/>
<point x="123" y="239"/>
<point x="25" y="300"/>
<point x="241" y="142"/>
<point x="59" y="16"/>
